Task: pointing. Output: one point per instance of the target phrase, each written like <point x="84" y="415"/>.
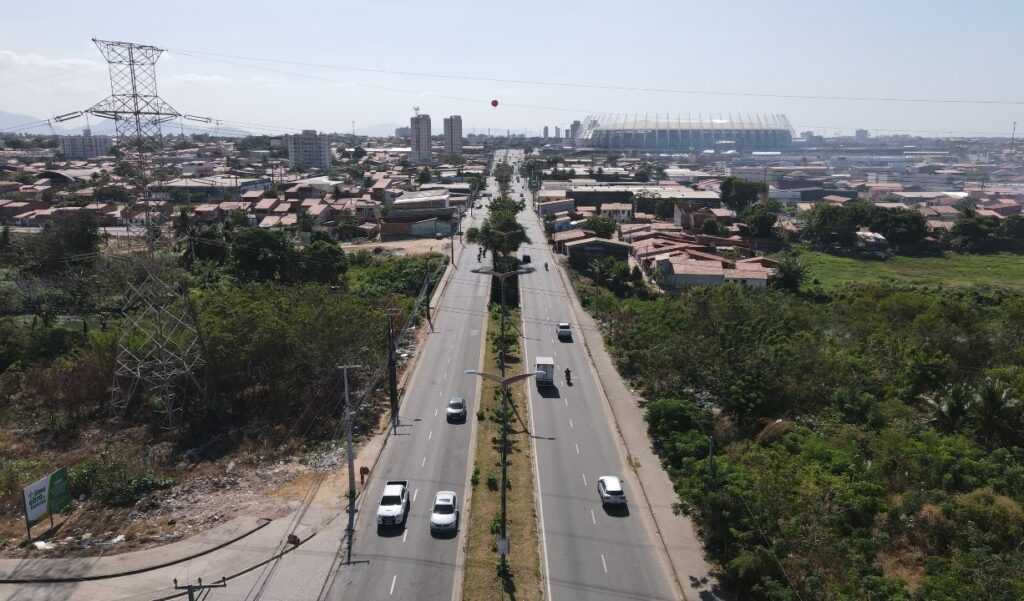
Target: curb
<point x="262" y="523"/>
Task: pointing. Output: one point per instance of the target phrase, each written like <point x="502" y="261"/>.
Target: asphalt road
<point x="590" y="552"/>
<point x="410" y="562"/>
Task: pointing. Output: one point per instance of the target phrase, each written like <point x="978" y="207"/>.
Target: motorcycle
<point x="568" y="377"/>
<point x="545" y="267"/>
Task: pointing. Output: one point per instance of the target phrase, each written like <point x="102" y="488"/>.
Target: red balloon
<point x="494" y="103"/>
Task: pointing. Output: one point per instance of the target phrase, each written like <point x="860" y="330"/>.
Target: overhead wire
<point x="596" y="86"/>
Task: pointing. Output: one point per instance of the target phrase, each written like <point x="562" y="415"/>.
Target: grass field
<point x="998" y="269"/>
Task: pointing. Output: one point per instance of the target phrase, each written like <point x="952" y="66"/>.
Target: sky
<point x="746" y="52"/>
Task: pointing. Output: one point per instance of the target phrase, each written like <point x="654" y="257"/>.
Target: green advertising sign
<point x="60" y="490"/>
<point x="46" y="497"/>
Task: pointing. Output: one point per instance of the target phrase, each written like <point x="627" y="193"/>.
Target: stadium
<point x="664" y="133"/>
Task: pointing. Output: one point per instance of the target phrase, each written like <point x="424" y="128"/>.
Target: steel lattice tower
<point x="160" y="348"/>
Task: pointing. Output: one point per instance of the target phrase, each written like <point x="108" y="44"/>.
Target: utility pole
<point x="194" y="588"/>
<point x="349" y="417"/>
<point x="393" y="373"/>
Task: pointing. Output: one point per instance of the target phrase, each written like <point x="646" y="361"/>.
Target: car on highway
<point x="394" y="504"/>
<point x="444" y="515"/>
<point x="610" y="490"/>
<point x="526" y="259"/>
<point x="456" y="410"/>
<point x="564" y="330"/>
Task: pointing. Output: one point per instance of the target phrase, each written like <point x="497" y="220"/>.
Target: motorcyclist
<point x="568" y="375"/>
<point x="545" y="266"/>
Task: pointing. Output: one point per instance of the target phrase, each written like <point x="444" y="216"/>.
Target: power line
<point x="25" y="81"/>
<point x="200" y="54"/>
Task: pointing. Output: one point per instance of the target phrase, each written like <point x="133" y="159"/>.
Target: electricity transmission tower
<point x="160" y="349"/>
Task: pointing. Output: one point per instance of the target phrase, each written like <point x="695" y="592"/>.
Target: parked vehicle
<point x="545" y="371"/>
<point x="394" y="503"/>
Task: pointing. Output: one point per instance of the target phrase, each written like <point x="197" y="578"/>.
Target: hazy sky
<point x="935" y="49"/>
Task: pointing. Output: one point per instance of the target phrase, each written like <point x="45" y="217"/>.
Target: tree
<point x="829" y="224"/>
<point x="260" y="254"/>
<point x="951" y="408"/>
<point x="424" y="176"/>
<point x="761" y="218"/>
<point x="711" y="227"/>
<point x="184" y="222"/>
<point x="67" y="235"/>
<point x="323" y="262"/>
<point x="790" y="274"/>
<point x="997" y="413"/>
<point x="603" y="227"/>
<point x="900" y="226"/>
<point x="738" y="193"/>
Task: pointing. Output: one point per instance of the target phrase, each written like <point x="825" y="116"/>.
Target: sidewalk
<point x="685" y="552"/>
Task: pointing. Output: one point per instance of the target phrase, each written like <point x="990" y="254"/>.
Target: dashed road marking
<point x="604" y="564"/>
<point x="395" y="578"/>
<point x="570" y="424"/>
<point x="577" y="449"/>
<point x="424" y="461"/>
<point x="584" y="479"/>
<point x="593" y="518"/>
<point x="429" y="436"/>
<point x="405" y="535"/>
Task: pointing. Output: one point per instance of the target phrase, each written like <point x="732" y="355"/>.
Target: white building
<point x="545" y="134"/>
<point x="85" y="146"/>
<point x="419" y="127"/>
<point x="310" y="150"/>
<point x="453" y="136"/>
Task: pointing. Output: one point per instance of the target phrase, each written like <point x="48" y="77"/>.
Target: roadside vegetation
<point x="275" y="318"/>
<point x="485" y="578"/>
<point x="862" y="442"/>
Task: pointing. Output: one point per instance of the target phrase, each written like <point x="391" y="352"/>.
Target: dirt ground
<point x="405" y="247"/>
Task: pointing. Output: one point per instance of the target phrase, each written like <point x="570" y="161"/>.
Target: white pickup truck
<point x="394" y="503"/>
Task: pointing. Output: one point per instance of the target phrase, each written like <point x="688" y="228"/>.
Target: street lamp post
<point x="504" y="382"/>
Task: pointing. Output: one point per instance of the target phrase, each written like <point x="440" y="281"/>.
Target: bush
<point x="496" y="524"/>
<point x="114" y="481"/>
<point x="492" y="481"/>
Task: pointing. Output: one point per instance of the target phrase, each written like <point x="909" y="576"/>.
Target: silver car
<point x="456" y="410"/>
<point x="444" y="515"/>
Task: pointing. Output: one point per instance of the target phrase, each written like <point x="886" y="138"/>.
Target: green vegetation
<point x="602" y="226"/>
<point x="275" y="319"/>
<point x="738" y="193"/>
<point x="860" y="444"/>
<point x="960" y="270"/>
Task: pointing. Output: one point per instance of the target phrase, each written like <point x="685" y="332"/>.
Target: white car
<point x="444" y="515"/>
<point x="610" y="490"/>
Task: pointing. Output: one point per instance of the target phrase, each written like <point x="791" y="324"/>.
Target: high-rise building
<point x="862" y="135"/>
<point x="419" y="128"/>
<point x="401" y="132"/>
<point x="574" y="129"/>
<point x="309" y="150"/>
<point x="558" y="132"/>
<point x="545" y="134"/>
<point x="85" y="146"/>
<point x="453" y="136"/>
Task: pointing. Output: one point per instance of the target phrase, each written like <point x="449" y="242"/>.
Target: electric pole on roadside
<point x="194" y="588"/>
<point x="349" y="417"/>
<point x="393" y="373"/>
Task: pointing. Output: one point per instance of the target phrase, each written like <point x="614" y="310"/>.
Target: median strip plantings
<point x="482" y="579"/>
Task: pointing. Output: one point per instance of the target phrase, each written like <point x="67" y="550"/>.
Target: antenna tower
<point x="160" y="349"/>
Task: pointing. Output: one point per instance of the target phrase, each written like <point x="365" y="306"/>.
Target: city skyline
<point x="772" y="60"/>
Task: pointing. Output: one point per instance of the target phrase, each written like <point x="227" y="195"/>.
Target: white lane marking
<point x="405" y="535"/>
<point x="570" y="424"/>
<point x="577" y="449"/>
<point x="604" y="564"/>
<point x="392" y="591"/>
<point x="435" y="412"/>
<point x="566" y="402"/>
<point x="592" y="517"/>
<point x="445" y="376"/>
<point x="584" y="479"/>
<point x="424" y="461"/>
<point x="430" y="435"/>
<point x="414" y="493"/>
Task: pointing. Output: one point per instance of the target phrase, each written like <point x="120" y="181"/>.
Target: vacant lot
<point x="998" y="269"/>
